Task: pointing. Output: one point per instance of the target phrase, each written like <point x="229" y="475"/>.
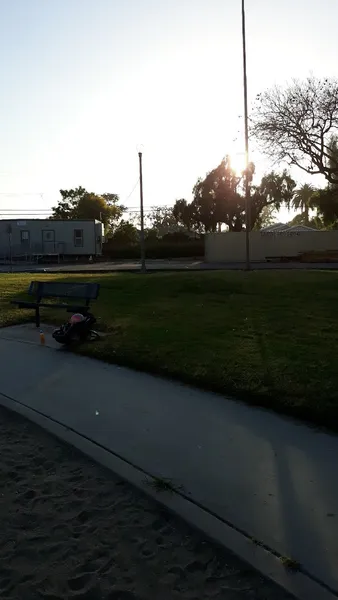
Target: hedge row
<point x="192" y="249"/>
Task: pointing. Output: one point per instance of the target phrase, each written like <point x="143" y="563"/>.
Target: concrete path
<point x="269" y="477"/>
<point x="163" y="265"/>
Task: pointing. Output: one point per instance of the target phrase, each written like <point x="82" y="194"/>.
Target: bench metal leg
<point x="37" y="316"/>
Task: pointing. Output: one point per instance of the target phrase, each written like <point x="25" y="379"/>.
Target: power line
<point x="18" y="215"/>
<point x="133" y="190"/>
<point x="21" y="194"/>
<point x="43" y="210"/>
<point x="14" y="211"/>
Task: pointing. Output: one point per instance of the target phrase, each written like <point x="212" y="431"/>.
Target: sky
<point x="85" y="83"/>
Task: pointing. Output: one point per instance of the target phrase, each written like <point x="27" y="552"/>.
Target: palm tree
<point x="302" y="200"/>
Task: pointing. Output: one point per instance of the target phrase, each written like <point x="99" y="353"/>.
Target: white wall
<point x="230" y="247"/>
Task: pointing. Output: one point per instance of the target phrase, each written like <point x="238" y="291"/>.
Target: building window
<point x="78" y="238"/>
<point x="25" y="237"/>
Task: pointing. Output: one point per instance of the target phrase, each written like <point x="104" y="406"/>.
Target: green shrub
<point x="160" y="249"/>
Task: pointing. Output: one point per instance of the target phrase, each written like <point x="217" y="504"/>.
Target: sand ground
<point x="70" y="529"/>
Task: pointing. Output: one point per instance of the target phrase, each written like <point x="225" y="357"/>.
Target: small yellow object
<point x="42" y="338"/>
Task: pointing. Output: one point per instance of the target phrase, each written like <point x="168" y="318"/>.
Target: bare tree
<point x="297" y="125"/>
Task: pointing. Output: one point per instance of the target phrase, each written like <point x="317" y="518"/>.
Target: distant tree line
<point x="294" y="126"/>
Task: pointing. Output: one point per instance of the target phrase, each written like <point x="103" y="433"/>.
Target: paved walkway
<point x="163" y="265"/>
<point x="273" y="478"/>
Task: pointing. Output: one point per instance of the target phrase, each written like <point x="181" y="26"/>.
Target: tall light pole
<point x="246" y="131"/>
<point x="142" y="244"/>
<point x="9" y="231"/>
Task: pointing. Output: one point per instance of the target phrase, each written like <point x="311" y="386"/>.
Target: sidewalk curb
<point x="298" y="584"/>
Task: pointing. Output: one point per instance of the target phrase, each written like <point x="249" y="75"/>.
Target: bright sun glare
<point x="237" y="161"/>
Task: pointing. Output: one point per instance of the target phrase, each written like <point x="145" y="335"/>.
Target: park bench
<point x="78" y="295"/>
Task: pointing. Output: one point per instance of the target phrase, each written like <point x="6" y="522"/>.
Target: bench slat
<point x="24" y="304"/>
<point x="56" y="289"/>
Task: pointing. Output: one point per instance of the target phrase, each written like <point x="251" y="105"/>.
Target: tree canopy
<point x="325" y="200"/>
<point x="124" y="234"/>
<point x="275" y="190"/>
<point x="162" y="221"/>
<point x="79" y="204"/>
<point x="298" y="125"/>
<point x="183" y="213"/>
<point x="267" y="217"/>
<point x="219" y="199"/>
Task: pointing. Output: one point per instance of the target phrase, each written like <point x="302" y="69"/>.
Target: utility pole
<point x="9" y="231"/>
<point x="246" y="132"/>
<point x="142" y="244"/>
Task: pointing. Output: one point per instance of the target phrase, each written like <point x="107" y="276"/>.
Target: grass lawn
<point x="267" y="337"/>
